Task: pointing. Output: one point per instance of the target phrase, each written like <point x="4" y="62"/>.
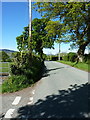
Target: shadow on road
<point x="54" y="69"/>
<point x="46" y="71"/>
<point x="71" y="103"/>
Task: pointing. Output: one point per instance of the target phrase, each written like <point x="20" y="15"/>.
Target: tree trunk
<point x="41" y="55"/>
<point x="80" y="53"/>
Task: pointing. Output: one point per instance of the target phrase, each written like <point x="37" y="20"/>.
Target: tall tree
<point x="22" y="40"/>
<point x="39" y="36"/>
<point x="75" y="17"/>
<point x="54" y="29"/>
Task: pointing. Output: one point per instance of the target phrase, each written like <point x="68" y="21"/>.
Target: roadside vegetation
<point x="71" y="59"/>
<point x="28" y="63"/>
<point x="82" y="66"/>
<point x="4" y="57"/>
<point x="5" y="62"/>
<point x="23" y="76"/>
<point x="72" y="26"/>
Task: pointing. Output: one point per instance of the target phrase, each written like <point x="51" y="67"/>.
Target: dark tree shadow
<point x="71" y="103"/>
<point x="54" y="69"/>
<point x="46" y="71"/>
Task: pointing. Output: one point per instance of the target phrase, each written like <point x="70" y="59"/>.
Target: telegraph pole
<point x="59" y="52"/>
<point x="30" y="29"/>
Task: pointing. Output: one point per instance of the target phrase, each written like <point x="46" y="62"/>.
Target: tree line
<point x="61" y="22"/>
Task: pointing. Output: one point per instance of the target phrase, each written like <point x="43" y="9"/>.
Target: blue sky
<point x="14" y="18"/>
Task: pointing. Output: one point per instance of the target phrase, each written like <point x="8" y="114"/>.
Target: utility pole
<point x="30" y="17"/>
<point x="30" y="27"/>
<point x="59" y="52"/>
<point x="22" y="52"/>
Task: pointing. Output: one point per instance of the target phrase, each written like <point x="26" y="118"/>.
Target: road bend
<point x="63" y="92"/>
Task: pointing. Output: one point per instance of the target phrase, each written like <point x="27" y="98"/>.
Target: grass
<point x="5" y="66"/>
<point x="0" y="88"/>
<point x="82" y="66"/>
<point x="4" y="69"/>
<point x="14" y="83"/>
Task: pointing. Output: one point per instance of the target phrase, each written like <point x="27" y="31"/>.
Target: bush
<point x="66" y="58"/>
<point x="72" y="56"/>
<point x="86" y="58"/>
<point x="15" y="83"/>
<point x="15" y="70"/>
<point x="23" y="74"/>
<point x="54" y="58"/>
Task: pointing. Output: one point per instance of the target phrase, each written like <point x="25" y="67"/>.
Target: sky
<point x="15" y="17"/>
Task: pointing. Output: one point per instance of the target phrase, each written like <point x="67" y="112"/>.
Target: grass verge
<point x="15" y="83"/>
<point x="82" y="66"/>
<point x="0" y="89"/>
<point x="18" y="82"/>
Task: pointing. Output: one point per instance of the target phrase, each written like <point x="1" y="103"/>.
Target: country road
<point x="63" y="92"/>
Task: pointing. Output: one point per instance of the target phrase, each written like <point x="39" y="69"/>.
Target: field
<point x="5" y="66"/>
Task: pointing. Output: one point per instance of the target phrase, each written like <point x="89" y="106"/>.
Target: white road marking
<point x="31" y="98"/>
<point x="9" y="113"/>
<point x="30" y="102"/>
<point x="33" y="92"/>
<point x="16" y="101"/>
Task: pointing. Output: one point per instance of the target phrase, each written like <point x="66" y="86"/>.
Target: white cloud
<point x="50" y="51"/>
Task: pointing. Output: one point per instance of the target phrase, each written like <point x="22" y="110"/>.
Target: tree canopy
<point x="22" y="40"/>
<point x="75" y="19"/>
<point x="40" y="38"/>
<point x="39" y="35"/>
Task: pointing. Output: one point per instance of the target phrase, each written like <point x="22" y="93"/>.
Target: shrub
<point x="54" y="58"/>
<point x="15" y="83"/>
<point x="31" y="72"/>
<point x="86" y="58"/>
<point x="16" y="70"/>
<point x="23" y="74"/>
<point x="72" y="56"/>
<point x="66" y="58"/>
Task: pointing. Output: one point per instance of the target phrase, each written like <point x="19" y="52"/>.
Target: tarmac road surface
<point x="63" y="92"/>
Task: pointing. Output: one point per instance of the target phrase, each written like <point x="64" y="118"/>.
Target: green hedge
<point x="86" y="58"/>
<point x="15" y="83"/>
<point x="70" y="57"/>
<point x="30" y="72"/>
<point x="23" y="75"/>
<point x="66" y="58"/>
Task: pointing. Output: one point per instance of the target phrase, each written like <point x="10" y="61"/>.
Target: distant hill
<point x="9" y="52"/>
